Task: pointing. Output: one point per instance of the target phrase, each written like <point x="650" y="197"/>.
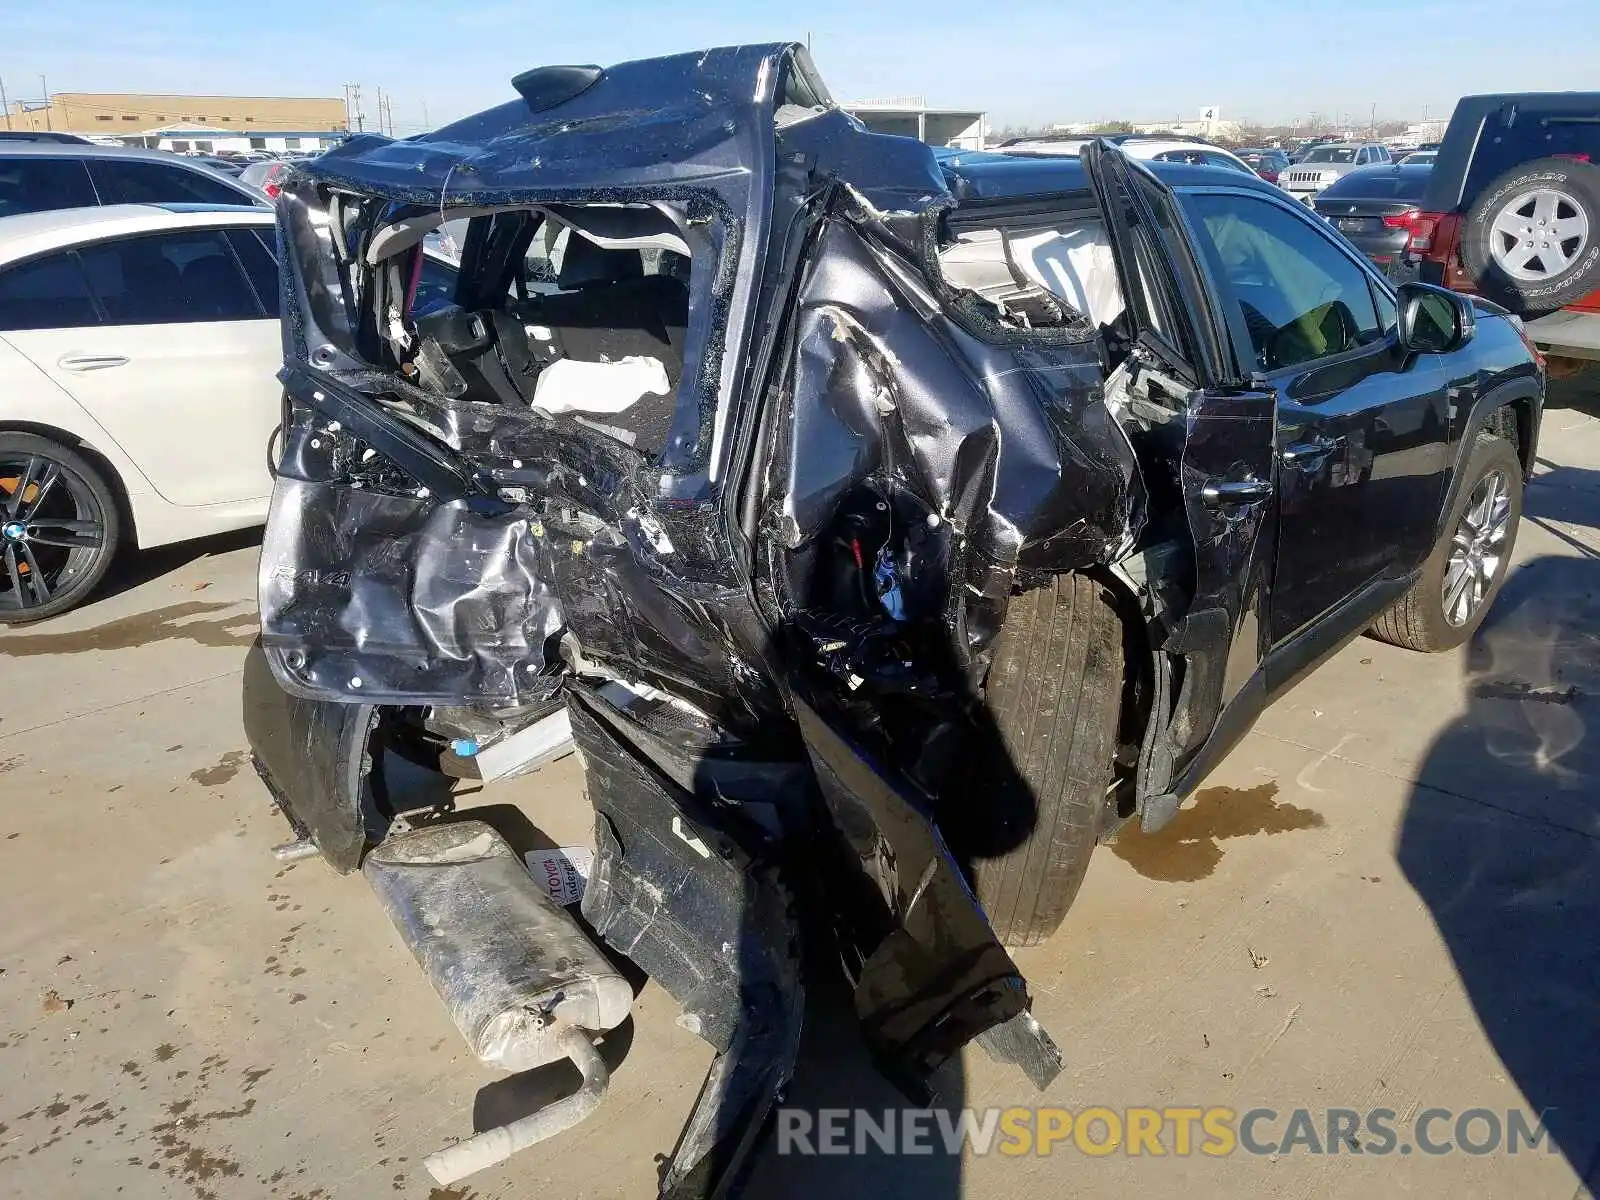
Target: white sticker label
<point x="563" y="871"/>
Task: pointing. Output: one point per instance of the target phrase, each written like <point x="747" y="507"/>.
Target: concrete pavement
<point x="1386" y="896"/>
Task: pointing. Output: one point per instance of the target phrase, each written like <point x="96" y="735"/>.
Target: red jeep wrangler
<point x="1512" y="212"/>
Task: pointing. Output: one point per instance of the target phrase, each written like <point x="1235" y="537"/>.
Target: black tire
<point x="1546" y="289"/>
<point x="1054" y="695"/>
<point x="1419" y="620"/>
<point x="69" y="528"/>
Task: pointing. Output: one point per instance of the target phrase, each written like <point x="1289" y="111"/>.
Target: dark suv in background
<point x="1512" y="212"/>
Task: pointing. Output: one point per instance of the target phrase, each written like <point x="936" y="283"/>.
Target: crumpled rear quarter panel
<point x="1011" y="442"/>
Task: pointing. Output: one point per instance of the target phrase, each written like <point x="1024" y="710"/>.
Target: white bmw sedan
<point x="139" y="348"/>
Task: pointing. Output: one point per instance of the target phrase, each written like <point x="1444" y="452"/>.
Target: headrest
<point x="583" y="264"/>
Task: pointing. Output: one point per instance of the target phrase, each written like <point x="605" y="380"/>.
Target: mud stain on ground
<point x="224" y="769"/>
<point x="189" y="1135"/>
<point x="1190" y="848"/>
<point x="178" y="622"/>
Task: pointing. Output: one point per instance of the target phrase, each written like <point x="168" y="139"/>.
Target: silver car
<point x="1326" y="163"/>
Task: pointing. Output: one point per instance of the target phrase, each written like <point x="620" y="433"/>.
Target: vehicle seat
<point x="608" y="310"/>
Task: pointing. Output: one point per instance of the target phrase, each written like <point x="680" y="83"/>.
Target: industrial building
<point x="910" y="116"/>
<point x="202" y="139"/>
<point x="120" y="115"/>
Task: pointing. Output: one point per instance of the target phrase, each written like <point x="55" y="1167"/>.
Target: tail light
<point x="269" y="182"/>
<point x="1404" y="220"/>
<point x="1268" y="174"/>
<point x="1433" y="235"/>
<point x="1419" y="227"/>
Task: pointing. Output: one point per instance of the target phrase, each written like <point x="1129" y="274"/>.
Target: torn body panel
<point x="812" y="547"/>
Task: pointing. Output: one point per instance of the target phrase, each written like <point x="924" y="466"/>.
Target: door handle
<point x="1234" y="491"/>
<point x="90" y="362"/>
<point x="1308" y="453"/>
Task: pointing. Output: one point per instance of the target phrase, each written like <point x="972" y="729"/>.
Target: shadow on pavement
<point x="1501" y="839"/>
<point x="135" y="568"/>
<point x="1580" y="392"/>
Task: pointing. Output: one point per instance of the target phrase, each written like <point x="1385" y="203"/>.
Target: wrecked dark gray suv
<point x="919" y="517"/>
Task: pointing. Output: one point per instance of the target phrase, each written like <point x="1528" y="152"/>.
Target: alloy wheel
<point x="51" y="530"/>
<point x="1538" y="235"/>
<point x="1477" y="548"/>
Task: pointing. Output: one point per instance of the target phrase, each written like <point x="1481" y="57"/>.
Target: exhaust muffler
<point x="522" y="982"/>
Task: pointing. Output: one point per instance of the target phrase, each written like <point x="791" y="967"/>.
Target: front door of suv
<point x="1362" y="424"/>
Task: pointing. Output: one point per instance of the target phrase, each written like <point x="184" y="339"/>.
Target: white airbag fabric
<point x="1075" y="264"/>
<point x="568" y="385"/>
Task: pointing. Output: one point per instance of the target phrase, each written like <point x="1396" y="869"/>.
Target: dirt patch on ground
<point x="224" y="769"/>
<point x="178" y="622"/>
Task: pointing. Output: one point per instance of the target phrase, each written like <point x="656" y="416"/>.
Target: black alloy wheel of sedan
<point x="58" y="528"/>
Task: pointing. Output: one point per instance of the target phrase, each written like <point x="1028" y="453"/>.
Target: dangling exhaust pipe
<point x="500" y="1143"/>
<point x="522" y="982"/>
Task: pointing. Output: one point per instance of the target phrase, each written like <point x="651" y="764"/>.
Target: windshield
<point x="1332" y="154"/>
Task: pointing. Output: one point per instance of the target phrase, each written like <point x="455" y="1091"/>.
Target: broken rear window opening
<point x="600" y="315"/>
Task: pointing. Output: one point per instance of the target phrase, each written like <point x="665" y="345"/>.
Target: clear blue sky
<point x="1022" y="60"/>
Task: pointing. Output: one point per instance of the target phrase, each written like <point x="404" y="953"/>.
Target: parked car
<point x="1513" y="212"/>
<point x="43" y="136"/>
<point x="36" y="177"/>
<point x="219" y="164"/>
<point x="899" y="538"/>
<point x="1268" y="163"/>
<point x="138" y="348"/>
<point x="137" y="351"/>
<point x="1323" y="164"/>
<point x="1148" y="147"/>
<point x="1380" y="210"/>
<point x="1301" y="149"/>
<point x="1419" y="158"/>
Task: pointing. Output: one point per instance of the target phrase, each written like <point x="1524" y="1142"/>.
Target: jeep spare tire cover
<point x="1532" y="240"/>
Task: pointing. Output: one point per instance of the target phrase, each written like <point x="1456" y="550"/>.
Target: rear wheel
<point x="58" y="528"/>
<point x="1054" y="695"/>
<point x="1463" y="575"/>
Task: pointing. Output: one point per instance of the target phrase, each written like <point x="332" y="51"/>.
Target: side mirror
<point x="1434" y="320"/>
